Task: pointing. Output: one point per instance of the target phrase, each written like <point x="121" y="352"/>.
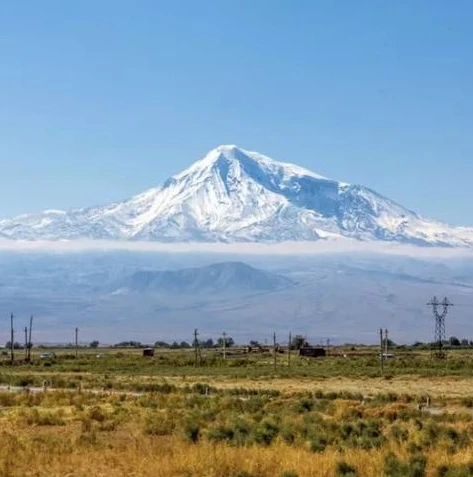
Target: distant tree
<point x="454" y="341"/>
<point x="465" y="342"/>
<point x="175" y="345"/>
<point x="228" y="342"/>
<point x="161" y="344"/>
<point x="298" y="342"/>
<point x="129" y="344"/>
<point x="255" y="344"/>
<point x="94" y="344"/>
<point x="16" y="345"/>
<point x="208" y="343"/>
<point x="184" y="344"/>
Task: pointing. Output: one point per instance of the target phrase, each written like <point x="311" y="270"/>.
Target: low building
<point x="311" y="352"/>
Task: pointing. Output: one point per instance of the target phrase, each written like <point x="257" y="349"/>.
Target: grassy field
<point x="116" y="413"/>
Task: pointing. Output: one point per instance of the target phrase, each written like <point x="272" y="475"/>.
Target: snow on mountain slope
<point x="237" y="195"/>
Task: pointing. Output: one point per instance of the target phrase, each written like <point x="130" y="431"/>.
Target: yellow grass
<point x="451" y="386"/>
<point x="58" y="452"/>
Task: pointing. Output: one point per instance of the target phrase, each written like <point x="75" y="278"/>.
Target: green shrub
<point x="455" y="470"/>
<point x="220" y="434"/>
<point x="265" y="432"/>
<point x="304" y="405"/>
<point x="343" y="469"/>
<point x="288" y="434"/>
<point x="241" y="432"/>
<point x="192" y="431"/>
<point x="415" y="467"/>
<point x="318" y="444"/>
<point x="158" y="425"/>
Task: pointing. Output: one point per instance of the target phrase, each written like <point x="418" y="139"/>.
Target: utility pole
<point x="381" y="349"/>
<point x="77" y="340"/>
<point x="289" y="350"/>
<point x="196" y="346"/>
<point x="29" y="339"/>
<point x="12" y="353"/>
<point x="26" y="343"/>
<point x="224" y="344"/>
<point x="274" y="350"/>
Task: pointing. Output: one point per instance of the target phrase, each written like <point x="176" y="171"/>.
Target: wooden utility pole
<point x="196" y="346"/>
<point x="12" y="336"/>
<point x="224" y="344"/>
<point x="274" y="350"/>
<point x="77" y="340"/>
<point x="381" y="357"/>
<point x="30" y="344"/>
<point x="289" y="350"/>
<point x="26" y="343"/>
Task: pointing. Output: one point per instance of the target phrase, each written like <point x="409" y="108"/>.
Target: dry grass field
<point x="124" y="415"/>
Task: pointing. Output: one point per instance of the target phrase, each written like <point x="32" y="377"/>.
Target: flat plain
<point x="114" y="412"/>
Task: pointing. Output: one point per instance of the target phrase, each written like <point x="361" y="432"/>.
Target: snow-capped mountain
<point x="236" y="195"/>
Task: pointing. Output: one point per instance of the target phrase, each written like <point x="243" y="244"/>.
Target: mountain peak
<point x="229" y="152"/>
<point x="227" y="149"/>
<point x="236" y="195"/>
<point x="251" y="161"/>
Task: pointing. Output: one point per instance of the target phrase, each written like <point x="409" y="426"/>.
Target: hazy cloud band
<point x="281" y="248"/>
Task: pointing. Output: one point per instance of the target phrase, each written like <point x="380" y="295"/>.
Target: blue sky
<point x="101" y="100"/>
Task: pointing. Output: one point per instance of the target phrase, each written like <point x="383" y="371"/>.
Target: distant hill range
<point x="222" y="278"/>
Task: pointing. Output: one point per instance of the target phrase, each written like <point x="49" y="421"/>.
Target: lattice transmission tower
<point x="440" y="311"/>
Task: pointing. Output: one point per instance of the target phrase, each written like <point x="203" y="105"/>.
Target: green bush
<point x="288" y="434"/>
<point x="241" y="432"/>
<point x="415" y="467"/>
<point x="455" y="470"/>
<point x="343" y="469"/>
<point x="318" y="444"/>
<point x="158" y="425"/>
<point x="220" y="434"/>
<point x="192" y="431"/>
<point x="265" y="432"/>
<point x="304" y="405"/>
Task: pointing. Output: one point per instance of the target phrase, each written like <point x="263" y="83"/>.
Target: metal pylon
<point x="440" y="311"/>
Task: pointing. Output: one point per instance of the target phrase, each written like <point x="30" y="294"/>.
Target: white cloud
<point x="282" y="248"/>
